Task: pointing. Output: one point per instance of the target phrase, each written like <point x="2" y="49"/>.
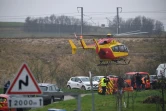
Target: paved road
<point x="71" y="97"/>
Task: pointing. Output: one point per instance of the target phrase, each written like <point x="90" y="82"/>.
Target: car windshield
<point x="101" y="77"/>
<point x="43" y="88"/>
<point x="85" y="79"/>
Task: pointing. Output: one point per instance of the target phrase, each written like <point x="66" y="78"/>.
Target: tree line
<point x="68" y="24"/>
<point x="141" y="23"/>
<point x="65" y="24"/>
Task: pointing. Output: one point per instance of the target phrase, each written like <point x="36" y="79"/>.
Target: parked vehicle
<point x="50" y="93"/>
<point x="161" y="70"/>
<point x="4" y="104"/>
<point x="128" y="76"/>
<point x="153" y="81"/>
<point x="112" y="76"/>
<point x="81" y="82"/>
<point x="112" y="85"/>
<point x="97" y="78"/>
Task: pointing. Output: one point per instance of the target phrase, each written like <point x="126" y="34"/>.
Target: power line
<point x="94" y="13"/>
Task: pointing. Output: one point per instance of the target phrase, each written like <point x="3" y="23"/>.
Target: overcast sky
<point x="95" y="11"/>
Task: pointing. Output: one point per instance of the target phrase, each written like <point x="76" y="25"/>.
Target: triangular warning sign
<point x="24" y="83"/>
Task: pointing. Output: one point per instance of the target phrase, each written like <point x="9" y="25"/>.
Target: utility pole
<point x="91" y="83"/>
<point x="118" y="27"/>
<point x="162" y="90"/>
<point x="81" y="20"/>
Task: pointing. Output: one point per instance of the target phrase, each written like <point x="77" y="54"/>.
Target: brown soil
<point x="154" y="99"/>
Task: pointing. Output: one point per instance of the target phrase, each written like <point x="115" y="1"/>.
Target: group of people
<point x="120" y="84"/>
<point x="139" y="80"/>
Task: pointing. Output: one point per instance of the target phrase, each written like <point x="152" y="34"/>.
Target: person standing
<point x="6" y="86"/>
<point x="103" y="85"/>
<point x="138" y="81"/>
<point x="133" y="81"/>
<point x="143" y="82"/>
<point x="120" y="83"/>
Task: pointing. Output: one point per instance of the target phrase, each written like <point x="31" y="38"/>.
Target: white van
<point x="161" y="70"/>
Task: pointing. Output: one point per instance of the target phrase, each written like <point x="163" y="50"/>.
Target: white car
<point x="81" y="82"/>
<point x="97" y="78"/>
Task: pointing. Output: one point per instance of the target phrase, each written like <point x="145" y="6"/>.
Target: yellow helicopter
<point x="108" y="49"/>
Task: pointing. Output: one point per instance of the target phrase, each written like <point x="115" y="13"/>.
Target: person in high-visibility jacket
<point x="104" y="82"/>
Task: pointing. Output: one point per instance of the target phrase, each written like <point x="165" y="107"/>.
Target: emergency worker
<point x="104" y="82"/>
<point x="143" y="82"/>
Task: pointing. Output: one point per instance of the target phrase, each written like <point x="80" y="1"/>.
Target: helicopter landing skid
<point x="124" y="63"/>
<point x="106" y="63"/>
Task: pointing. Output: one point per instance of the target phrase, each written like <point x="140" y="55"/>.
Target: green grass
<point x="1" y="90"/>
<point x="107" y="103"/>
<point x="77" y="91"/>
<point x="11" y="24"/>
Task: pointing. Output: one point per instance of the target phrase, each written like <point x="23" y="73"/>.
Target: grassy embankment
<point x="108" y="103"/>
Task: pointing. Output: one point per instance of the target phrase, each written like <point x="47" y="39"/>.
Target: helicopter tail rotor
<point x="73" y="46"/>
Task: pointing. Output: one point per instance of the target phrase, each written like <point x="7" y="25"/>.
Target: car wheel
<point x="52" y="100"/>
<point x="68" y="87"/>
<point x="83" y="88"/>
<point x="62" y="98"/>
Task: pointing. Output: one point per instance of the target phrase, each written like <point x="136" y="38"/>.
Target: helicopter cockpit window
<point x="126" y="49"/>
<point x="115" y="49"/>
<point x="120" y="48"/>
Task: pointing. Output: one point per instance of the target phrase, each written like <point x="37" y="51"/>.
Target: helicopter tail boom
<point x="84" y="46"/>
<point x="73" y="46"/>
